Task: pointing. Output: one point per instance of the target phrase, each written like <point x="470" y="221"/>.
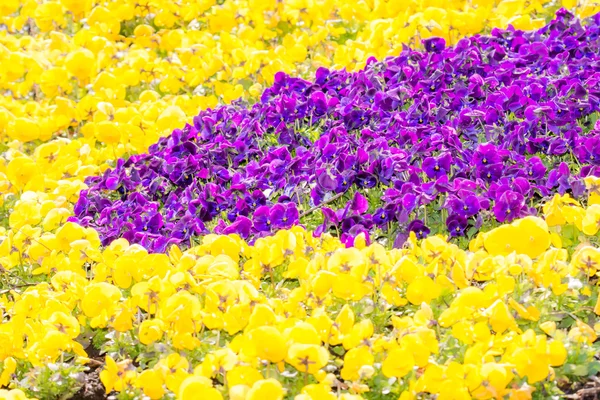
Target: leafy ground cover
<point x="229" y="297"/>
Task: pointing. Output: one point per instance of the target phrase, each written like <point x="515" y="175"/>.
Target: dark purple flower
<point x="535" y="169"/>
<point x="508" y="206"/>
<point x="456" y="225"/>
<point x="326" y="181"/>
<point x="486" y="154"/>
<point x="366" y="180"/>
<point x="283" y="216"/>
<point x="434" y="45"/>
<point x="261" y="219"/>
<point x="490" y="173"/>
<point x="241" y="226"/>
<point x="438" y="166"/>
<point x="381" y="217"/>
<point x="418" y="227"/>
<point x="465" y="207"/>
<point x="589" y="150"/>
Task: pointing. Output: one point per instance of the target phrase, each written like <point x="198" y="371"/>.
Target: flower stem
<point x="310" y="210"/>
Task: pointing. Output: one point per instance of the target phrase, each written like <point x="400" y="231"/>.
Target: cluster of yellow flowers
<point x="304" y="315"/>
<point x="124" y="72"/>
<point x="84" y="82"/>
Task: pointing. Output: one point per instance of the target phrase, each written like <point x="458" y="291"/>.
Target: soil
<point x="92" y="389"/>
<point x="589" y="390"/>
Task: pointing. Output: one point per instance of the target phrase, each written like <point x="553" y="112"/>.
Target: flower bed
<point x="481" y="131"/>
<point x="423" y="226"/>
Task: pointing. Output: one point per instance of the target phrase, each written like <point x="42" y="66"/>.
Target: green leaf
<point x="339" y="350"/>
<point x="472" y="231"/>
<point x="556" y="317"/>
<point x="581" y="370"/>
<point x="566" y="322"/>
<point x="577" y="370"/>
<point x="594" y="367"/>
